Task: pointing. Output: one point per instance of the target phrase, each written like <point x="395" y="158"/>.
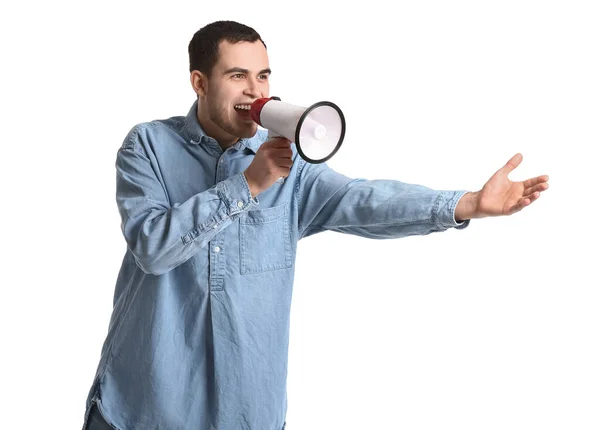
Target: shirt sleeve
<point x="377" y="209"/>
<point x="162" y="236"/>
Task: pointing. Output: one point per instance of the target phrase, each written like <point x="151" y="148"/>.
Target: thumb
<point x="512" y="163"/>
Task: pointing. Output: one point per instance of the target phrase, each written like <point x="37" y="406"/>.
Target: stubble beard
<point x="221" y="118"/>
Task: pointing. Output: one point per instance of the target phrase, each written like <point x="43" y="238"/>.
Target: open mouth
<point x="243" y="110"/>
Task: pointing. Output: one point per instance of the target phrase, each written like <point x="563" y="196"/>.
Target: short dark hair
<point x="204" y="46"/>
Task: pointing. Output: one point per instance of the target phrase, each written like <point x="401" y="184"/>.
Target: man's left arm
<point x="385" y="209"/>
<point x="378" y="209"/>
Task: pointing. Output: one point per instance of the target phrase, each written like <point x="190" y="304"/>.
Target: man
<point x="198" y="338"/>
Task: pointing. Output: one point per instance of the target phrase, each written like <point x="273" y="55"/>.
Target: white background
<point x="492" y="327"/>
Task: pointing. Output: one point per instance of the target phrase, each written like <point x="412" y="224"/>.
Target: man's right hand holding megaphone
<point x="272" y="161"/>
<point x="318" y="132"/>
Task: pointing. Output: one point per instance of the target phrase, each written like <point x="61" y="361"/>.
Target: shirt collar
<point x="197" y="135"/>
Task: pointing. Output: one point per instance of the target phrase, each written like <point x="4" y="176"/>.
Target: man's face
<point x="240" y="76"/>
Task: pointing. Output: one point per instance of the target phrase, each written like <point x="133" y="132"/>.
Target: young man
<point x="198" y="337"/>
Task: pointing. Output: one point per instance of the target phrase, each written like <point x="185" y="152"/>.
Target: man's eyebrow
<point x="246" y="71"/>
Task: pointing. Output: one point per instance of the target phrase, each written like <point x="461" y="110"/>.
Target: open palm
<point x="501" y="196"/>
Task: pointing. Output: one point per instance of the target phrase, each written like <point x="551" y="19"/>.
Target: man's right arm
<point x="162" y="236"/>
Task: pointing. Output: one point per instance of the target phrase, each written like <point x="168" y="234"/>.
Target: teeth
<point x="243" y="107"/>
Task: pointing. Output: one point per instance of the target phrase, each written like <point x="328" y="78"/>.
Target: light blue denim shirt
<point x="198" y="338"/>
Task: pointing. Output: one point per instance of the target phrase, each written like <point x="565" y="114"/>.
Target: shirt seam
<point x="430" y="219"/>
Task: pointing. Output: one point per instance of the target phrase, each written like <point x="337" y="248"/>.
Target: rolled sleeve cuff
<point x="235" y="192"/>
<point x="445" y="208"/>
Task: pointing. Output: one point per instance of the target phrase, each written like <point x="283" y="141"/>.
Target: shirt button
<point x="217" y="249"/>
<point x="240" y="204"/>
<point x="215" y="226"/>
<point x="222" y="160"/>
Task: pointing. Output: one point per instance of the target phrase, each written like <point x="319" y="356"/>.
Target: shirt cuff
<point x="235" y="192"/>
<point x="445" y="208"/>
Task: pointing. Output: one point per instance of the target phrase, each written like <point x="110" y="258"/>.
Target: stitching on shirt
<point x="132" y="141"/>
<point x="222" y="192"/>
<point x="247" y="187"/>
<point x="133" y="144"/>
<point x="454" y="203"/>
<point x="201" y="229"/>
<point x="377" y="224"/>
<point x="435" y="210"/>
<point x="296" y="194"/>
<point x="276" y="214"/>
<point x="267" y="215"/>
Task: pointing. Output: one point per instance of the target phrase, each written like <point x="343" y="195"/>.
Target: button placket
<point x="217" y="251"/>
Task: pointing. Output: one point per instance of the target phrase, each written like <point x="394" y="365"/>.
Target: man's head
<point x="229" y="67"/>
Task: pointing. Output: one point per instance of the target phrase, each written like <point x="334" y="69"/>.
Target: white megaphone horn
<point x="318" y="131"/>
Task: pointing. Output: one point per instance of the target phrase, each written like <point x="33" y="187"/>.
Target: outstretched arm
<point x="379" y="209"/>
<point x="501" y="196"/>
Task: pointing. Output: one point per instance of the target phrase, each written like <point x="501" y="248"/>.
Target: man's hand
<point x="272" y="161"/>
<point x="501" y="196"/>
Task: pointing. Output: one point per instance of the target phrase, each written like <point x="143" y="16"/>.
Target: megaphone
<point x="318" y="131"/>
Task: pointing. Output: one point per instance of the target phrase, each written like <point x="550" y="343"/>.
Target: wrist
<point x="467" y="207"/>
<point x="254" y="191"/>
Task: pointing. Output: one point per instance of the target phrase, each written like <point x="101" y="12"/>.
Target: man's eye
<point x="237" y="76"/>
<point x="264" y="77"/>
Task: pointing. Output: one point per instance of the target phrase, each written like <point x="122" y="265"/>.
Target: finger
<point x="280" y="171"/>
<point x="283" y="153"/>
<point x="283" y="172"/>
<point x="532" y="197"/>
<point x="512" y="163"/>
<point x="274" y="143"/>
<point x="525" y="201"/>
<point x="285" y="162"/>
<point x="279" y="142"/>
<point x="539" y="188"/>
<point x="534" y="181"/>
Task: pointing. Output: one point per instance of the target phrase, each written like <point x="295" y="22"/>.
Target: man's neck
<point x="225" y="140"/>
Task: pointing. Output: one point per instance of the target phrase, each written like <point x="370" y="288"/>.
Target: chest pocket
<point x="265" y="240"/>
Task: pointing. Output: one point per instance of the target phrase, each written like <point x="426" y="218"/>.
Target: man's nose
<point x="252" y="89"/>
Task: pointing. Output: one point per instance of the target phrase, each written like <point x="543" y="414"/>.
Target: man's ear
<point x="199" y="82"/>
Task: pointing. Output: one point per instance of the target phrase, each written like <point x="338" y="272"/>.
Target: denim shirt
<point x="198" y="337"/>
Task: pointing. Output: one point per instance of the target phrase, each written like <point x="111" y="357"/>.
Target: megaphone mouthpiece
<point x="256" y="107"/>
